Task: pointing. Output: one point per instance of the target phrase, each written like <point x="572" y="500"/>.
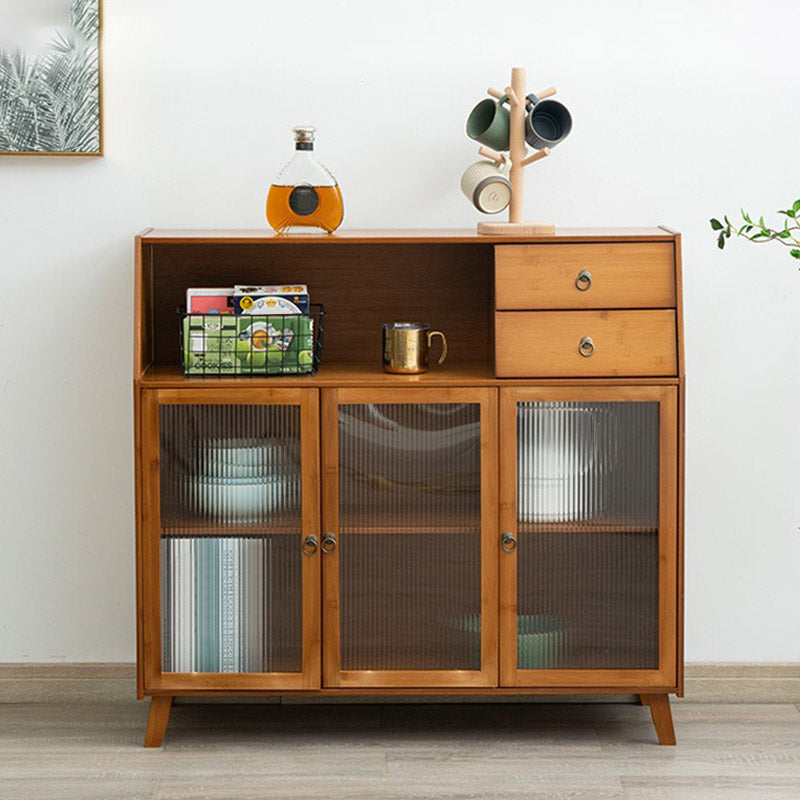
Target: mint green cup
<point x="490" y="123"/>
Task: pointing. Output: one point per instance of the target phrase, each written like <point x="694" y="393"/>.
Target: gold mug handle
<point x="431" y="334"/>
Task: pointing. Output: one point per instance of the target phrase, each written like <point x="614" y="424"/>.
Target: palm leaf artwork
<point x="50" y="102"/>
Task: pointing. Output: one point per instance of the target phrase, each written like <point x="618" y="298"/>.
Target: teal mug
<point x="490" y="123"/>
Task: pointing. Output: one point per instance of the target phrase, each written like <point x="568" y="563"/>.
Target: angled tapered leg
<point x="662" y="716"/>
<point x="643" y="699"/>
<point x="160" y="706"/>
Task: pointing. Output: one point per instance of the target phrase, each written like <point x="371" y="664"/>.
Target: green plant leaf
<point x="796" y="206"/>
<point x="716" y="225"/>
<point x="788" y="213"/>
<point x="794" y="253"/>
<point x="746" y="216"/>
<point x="721" y="241"/>
<point x="761" y="223"/>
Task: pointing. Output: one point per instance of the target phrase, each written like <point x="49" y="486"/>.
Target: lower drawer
<point x="566" y="344"/>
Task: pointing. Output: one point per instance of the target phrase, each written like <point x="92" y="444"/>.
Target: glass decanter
<point x="304" y="197"/>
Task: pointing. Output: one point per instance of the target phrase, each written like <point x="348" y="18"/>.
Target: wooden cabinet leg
<point x="643" y="699"/>
<point x="662" y="716"/>
<point x="160" y="706"/>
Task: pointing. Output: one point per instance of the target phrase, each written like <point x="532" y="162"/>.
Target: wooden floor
<point x="376" y="752"/>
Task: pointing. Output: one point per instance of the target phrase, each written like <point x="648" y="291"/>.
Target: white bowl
<point x="240" y="499"/>
<point x="229" y="458"/>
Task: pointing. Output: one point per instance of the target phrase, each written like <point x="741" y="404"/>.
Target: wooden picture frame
<point x="23" y="106"/>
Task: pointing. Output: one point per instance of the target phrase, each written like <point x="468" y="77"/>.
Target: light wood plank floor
<point x="378" y="752"/>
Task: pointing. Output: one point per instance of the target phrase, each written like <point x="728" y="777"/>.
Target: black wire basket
<point x="252" y="344"/>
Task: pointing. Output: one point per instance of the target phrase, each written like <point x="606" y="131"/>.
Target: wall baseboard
<point x="116" y="683"/>
<point x="742" y="683"/>
<point x="67" y="683"/>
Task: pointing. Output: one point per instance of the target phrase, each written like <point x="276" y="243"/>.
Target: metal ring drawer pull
<point x="328" y="542"/>
<point x="584" y="280"/>
<point x="586" y="347"/>
<point x="508" y="542"/>
<point x="310" y="545"/>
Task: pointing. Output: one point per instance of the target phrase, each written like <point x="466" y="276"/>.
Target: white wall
<point x="681" y="112"/>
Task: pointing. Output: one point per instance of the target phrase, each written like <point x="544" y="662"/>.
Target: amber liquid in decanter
<point x="327" y="215"/>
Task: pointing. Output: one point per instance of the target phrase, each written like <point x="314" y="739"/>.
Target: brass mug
<point x="406" y="346"/>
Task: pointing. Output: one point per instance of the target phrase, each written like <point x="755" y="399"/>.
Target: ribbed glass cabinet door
<point x="588" y="536"/>
<point x="409" y="563"/>
<point x="232" y="496"/>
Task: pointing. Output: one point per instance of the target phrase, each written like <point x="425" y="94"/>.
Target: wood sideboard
<point x="510" y="523"/>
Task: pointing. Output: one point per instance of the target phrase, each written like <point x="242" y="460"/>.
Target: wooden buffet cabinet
<point x="508" y="523"/>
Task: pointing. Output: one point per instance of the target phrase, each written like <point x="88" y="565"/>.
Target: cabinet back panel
<point x="362" y="286"/>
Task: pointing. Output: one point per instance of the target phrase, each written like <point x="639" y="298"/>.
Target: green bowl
<point x="541" y="638"/>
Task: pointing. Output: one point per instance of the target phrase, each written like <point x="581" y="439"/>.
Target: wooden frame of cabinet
<point x="149" y="553"/>
<point x="447" y="279"/>
<point x="666" y="673"/>
<point x="333" y="675"/>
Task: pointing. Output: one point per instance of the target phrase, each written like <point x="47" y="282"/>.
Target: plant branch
<point x="763" y="233"/>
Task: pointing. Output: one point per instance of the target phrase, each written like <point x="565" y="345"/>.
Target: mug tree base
<point x="517" y="228"/>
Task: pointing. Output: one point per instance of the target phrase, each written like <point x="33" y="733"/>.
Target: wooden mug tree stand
<point x="516" y="226"/>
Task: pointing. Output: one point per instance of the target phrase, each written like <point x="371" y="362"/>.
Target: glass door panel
<point x="407" y="583"/>
<point x="589" y="568"/>
<point x="410" y="525"/>
<point x="235" y="497"/>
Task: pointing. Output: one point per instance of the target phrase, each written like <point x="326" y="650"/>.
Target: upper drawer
<point x="621" y="275"/>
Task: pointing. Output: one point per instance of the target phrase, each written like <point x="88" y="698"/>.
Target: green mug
<point x="490" y="123"/>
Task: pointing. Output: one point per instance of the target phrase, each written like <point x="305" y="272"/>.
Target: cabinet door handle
<point x="328" y="542"/>
<point x="508" y="542"/>
<point x="310" y="544"/>
<point x="586" y="347"/>
<point x="584" y="281"/>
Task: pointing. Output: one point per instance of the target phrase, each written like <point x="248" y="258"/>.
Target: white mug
<point x="486" y="187"/>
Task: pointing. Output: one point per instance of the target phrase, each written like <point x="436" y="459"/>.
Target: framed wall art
<point x="51" y="93"/>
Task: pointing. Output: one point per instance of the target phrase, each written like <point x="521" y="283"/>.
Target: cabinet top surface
<point x="378" y="235"/>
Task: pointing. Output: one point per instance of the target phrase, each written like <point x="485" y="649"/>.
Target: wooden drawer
<point x="620" y="275"/>
<point x="546" y="344"/>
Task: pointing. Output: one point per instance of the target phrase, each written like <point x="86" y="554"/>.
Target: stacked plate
<point x="559" y="463"/>
<point x="240" y="481"/>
